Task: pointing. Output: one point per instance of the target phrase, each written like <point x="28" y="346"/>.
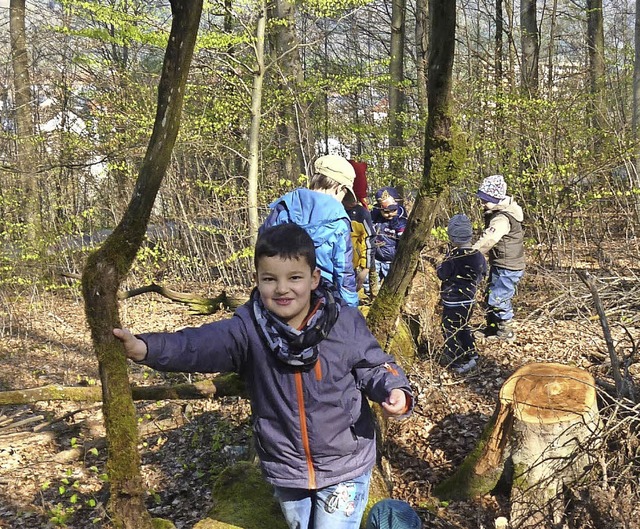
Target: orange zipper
<point x="301" y="408"/>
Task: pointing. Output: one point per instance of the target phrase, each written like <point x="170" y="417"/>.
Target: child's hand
<point x="396" y="403"/>
<point x="361" y="277"/>
<point x="134" y="347"/>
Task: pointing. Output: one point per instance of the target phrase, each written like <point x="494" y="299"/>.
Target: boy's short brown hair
<point x="288" y="241"/>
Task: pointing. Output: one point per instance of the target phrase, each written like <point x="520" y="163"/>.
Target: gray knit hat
<point x="459" y="229"/>
<point x="492" y="189"/>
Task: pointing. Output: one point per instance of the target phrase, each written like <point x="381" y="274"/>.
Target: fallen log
<point x="222" y="386"/>
<point x="540" y="438"/>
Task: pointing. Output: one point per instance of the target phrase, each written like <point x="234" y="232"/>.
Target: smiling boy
<point x="309" y="363"/>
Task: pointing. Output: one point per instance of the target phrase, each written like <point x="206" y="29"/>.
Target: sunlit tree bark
<point x="256" y="116"/>
<point x="295" y="137"/>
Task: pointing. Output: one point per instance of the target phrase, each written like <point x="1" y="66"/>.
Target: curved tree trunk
<point x="440" y="169"/>
<point x="107" y="267"/>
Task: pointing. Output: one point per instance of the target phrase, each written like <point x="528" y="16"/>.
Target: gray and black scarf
<point x="298" y="348"/>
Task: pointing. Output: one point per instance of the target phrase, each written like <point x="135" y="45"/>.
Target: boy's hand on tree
<point x="396" y="403"/>
<point x="134" y="347"/>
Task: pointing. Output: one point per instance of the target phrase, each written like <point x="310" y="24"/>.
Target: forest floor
<point x="53" y="454"/>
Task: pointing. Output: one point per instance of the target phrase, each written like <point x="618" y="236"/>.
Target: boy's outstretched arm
<point x="134" y="347"/>
<point x="396" y="403"/>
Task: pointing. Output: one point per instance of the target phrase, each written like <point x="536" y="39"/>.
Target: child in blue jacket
<point x="320" y="212"/>
<point x="309" y="363"/>
<point x="461" y="271"/>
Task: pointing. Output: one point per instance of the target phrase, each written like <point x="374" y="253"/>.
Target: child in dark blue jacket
<point x="310" y="364"/>
<point x="461" y="271"/>
<point x="389" y="221"/>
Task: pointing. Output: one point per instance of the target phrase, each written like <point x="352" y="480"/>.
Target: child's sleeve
<point x="377" y="373"/>
<point x="444" y="269"/>
<point x="212" y="348"/>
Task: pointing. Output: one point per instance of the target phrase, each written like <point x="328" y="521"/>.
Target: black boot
<point x="491" y="329"/>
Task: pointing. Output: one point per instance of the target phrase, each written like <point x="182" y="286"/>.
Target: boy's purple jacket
<point x="328" y="400"/>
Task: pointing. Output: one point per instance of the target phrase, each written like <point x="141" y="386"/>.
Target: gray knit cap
<point x="492" y="189"/>
<point x="459" y="229"/>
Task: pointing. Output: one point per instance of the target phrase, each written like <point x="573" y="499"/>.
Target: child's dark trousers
<point x="459" y="344"/>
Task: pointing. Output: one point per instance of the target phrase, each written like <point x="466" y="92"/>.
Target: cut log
<point x="545" y="424"/>
<point x="224" y="385"/>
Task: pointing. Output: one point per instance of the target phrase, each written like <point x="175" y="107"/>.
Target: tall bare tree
<point x="295" y="137"/>
<point x="422" y="59"/>
<point x="25" y="153"/>
<point x="595" y="46"/>
<point x="396" y="90"/>
<point x="635" y="123"/>
<point x="636" y="87"/>
<point x="107" y="267"/>
<point x="256" y="117"/>
<point x="530" y="42"/>
<point x="552" y="40"/>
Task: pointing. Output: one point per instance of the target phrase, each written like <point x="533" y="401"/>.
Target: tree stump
<point x="540" y="437"/>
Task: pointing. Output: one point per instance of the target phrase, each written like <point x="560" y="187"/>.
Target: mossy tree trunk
<point x="107" y="267"/>
<point x="441" y="168"/>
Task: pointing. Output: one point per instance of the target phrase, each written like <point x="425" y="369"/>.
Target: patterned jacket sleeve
<point x="370" y="239"/>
